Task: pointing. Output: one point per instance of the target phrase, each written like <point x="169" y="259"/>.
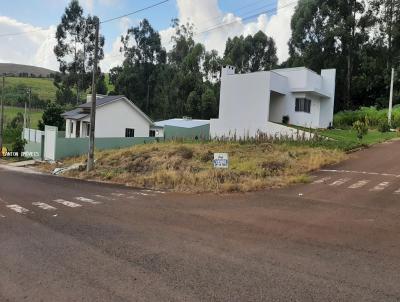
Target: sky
<point x="37" y="21"/>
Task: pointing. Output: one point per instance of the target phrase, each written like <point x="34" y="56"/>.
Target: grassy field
<point x="11" y="112"/>
<point x="347" y="139"/>
<point x="187" y="167"/>
<point x="43" y="87"/>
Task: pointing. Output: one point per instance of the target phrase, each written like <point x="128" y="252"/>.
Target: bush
<point x="383" y="126"/>
<point x="361" y="128"/>
<point x="19" y="145"/>
<point x="369" y="115"/>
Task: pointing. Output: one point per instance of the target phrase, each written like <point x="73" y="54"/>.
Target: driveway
<point x="335" y="239"/>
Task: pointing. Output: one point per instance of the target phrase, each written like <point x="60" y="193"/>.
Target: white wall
<point x="303" y="118"/>
<point x="70" y="128"/>
<point x="112" y="120"/>
<point x="277" y="108"/>
<point x="244" y="104"/>
<point x="327" y="105"/>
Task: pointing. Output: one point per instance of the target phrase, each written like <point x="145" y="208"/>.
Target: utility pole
<point x="391" y="99"/>
<point x="25" y="116"/>
<point x="29" y="106"/>
<point x="2" y="117"/>
<point x="29" y="113"/>
<point x="90" y="162"/>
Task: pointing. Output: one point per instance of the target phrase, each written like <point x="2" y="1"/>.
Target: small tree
<point x="19" y="145"/>
<point x="52" y="117"/>
<point x="361" y="128"/>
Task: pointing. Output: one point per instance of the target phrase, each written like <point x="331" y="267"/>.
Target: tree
<point x="208" y="104"/>
<point x="171" y="84"/>
<point x="331" y="34"/>
<point x="52" y="117"/>
<point x="75" y="49"/>
<point x="143" y="52"/>
<point x="250" y="54"/>
<point x="212" y="65"/>
<point x="17" y="121"/>
<point x="101" y="85"/>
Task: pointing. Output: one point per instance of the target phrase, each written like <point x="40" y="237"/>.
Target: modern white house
<point x="116" y="116"/>
<point x="257" y="102"/>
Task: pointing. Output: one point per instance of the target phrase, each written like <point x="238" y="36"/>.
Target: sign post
<point x="221" y="160"/>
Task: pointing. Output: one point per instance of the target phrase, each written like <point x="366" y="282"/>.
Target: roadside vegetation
<point x="375" y="118"/>
<point x="348" y="140"/>
<point x="11" y="112"/>
<point x="187" y="166"/>
<point x="13" y="124"/>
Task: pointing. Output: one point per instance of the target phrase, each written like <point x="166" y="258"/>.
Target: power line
<point x="236" y="10"/>
<point x="247" y="18"/>
<point x="135" y="12"/>
<point x="22" y="32"/>
<point x="105" y="21"/>
<point x="225" y="24"/>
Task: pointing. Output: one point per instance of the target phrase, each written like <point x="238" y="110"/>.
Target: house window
<point x="152" y="133"/>
<point x="129" y="132"/>
<point x="303" y="105"/>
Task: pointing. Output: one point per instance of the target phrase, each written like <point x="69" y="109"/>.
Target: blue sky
<point x="20" y="15"/>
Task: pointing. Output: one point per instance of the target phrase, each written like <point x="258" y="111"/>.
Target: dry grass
<point x="187" y="167"/>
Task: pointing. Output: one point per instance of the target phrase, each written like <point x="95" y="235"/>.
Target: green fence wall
<point x="201" y="132"/>
<point x="34" y="148"/>
<point x="67" y="147"/>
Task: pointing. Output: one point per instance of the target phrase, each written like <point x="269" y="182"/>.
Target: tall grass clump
<point x="375" y="117"/>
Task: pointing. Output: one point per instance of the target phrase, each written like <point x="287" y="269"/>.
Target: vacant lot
<point x="188" y="167"/>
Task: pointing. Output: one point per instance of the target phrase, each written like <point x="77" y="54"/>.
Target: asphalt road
<point x="335" y="239"/>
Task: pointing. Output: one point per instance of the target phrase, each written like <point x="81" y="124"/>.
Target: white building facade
<point x="259" y="101"/>
<point x="116" y="116"/>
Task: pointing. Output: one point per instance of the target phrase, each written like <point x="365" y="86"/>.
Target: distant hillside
<point x="18" y="69"/>
<point x="43" y="87"/>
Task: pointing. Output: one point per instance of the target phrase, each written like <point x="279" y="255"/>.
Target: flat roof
<point x="183" y="123"/>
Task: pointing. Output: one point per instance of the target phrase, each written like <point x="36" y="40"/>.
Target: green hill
<point x="19" y="69"/>
<point x="43" y="87"/>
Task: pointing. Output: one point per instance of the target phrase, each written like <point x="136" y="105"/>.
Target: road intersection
<point x="334" y="239"/>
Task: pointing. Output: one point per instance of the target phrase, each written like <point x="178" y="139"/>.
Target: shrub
<point x="361" y="128"/>
<point x="19" y="145"/>
<point x="370" y="115"/>
<point x="383" y="126"/>
<point x="285" y="119"/>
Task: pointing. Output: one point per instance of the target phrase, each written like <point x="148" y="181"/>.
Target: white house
<point x="116" y="116"/>
<point x="257" y="102"/>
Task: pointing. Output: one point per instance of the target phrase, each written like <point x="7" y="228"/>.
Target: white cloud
<point x="206" y="14"/>
<point x="32" y="48"/>
<point x="87" y="4"/>
<point x="36" y="47"/>
<point x="114" y="57"/>
<point x="90" y="4"/>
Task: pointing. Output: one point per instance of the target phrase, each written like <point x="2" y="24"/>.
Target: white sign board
<point x="221" y="160"/>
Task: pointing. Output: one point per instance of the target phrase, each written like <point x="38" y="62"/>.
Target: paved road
<point x="335" y="239"/>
